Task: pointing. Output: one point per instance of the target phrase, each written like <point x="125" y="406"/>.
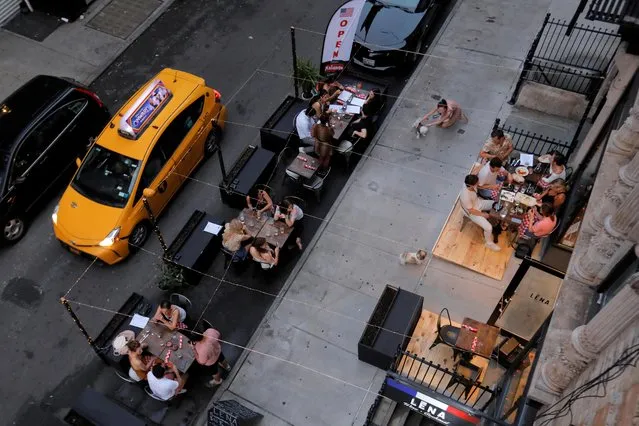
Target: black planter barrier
<point x="390" y="325"/>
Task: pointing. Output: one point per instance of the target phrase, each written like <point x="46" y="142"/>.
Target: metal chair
<point x="315" y="185"/>
<point x="180" y="300"/>
<point x="130" y="378"/>
<point x="466" y="374"/>
<point x="446" y="334"/>
<point x="346" y="148"/>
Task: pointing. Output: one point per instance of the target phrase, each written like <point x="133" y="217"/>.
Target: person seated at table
<point x="554" y="195"/>
<point x="448" y="113"/>
<point x="374" y="100"/>
<point x="292" y="216"/>
<point x="264" y="202"/>
<point x="476" y="209"/>
<point x="330" y="85"/>
<point x="141" y="362"/>
<point x="500" y="145"/>
<point x="263" y="254"/>
<point x="320" y="102"/>
<point x="304" y="122"/>
<point x="489" y="175"/>
<point x="208" y="353"/>
<point x="538" y="223"/>
<point x="557" y="171"/>
<point x="172" y="316"/>
<point x="363" y="126"/>
<point x="235" y="238"/>
<point x="165" y="385"/>
<point x="324" y="140"/>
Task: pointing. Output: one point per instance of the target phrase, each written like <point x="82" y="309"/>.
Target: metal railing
<point x="612" y="11"/>
<point x="570" y="57"/>
<point x="442" y="380"/>
<point x="532" y="143"/>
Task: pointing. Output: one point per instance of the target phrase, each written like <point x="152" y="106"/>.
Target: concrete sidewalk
<point x="75" y="50"/>
<point x="303" y="367"/>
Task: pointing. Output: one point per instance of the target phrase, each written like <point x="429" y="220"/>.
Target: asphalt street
<point x="46" y="359"/>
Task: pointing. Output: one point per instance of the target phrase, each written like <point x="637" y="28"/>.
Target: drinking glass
<point x="242" y="217"/>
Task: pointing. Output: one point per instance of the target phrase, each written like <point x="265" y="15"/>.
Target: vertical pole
<point x="77" y="322"/>
<point x="220" y="159"/>
<point x="528" y="61"/>
<point x="573" y="21"/>
<point x="154" y="223"/>
<point x="294" y="50"/>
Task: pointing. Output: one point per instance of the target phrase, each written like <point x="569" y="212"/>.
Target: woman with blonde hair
<point x="235" y="238"/>
<point x="555" y="194"/>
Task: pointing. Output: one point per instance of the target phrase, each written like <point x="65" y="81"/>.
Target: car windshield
<point x="404" y="4"/>
<point x="106" y="177"/>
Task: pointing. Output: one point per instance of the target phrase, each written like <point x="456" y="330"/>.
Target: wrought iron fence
<point x="532" y="143"/>
<point x="570" y="57"/>
<point x="442" y="380"/>
<point x="612" y="11"/>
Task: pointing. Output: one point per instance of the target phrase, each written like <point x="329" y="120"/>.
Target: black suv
<point x="44" y="126"/>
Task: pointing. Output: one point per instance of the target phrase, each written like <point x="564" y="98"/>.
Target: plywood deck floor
<point x="441" y="355"/>
<point x="467" y="248"/>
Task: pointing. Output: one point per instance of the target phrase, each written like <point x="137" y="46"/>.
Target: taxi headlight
<point x="110" y="239"/>
<point x="54" y="215"/>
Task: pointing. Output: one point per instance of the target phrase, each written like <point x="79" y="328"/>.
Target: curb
<point x="202" y="417"/>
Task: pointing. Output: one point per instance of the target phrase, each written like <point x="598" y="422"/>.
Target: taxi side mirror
<point x="148" y="192"/>
<point x="20" y="180"/>
<point x="78" y="162"/>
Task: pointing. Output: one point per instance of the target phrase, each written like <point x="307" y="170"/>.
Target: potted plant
<point x="307" y="75"/>
<point x="171" y="277"/>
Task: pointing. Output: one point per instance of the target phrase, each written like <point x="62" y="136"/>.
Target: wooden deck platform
<point x="465" y="246"/>
<point x="422" y="338"/>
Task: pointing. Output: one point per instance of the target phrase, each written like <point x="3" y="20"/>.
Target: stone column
<point x="610" y="243"/>
<point x="628" y="178"/>
<point x="587" y="341"/>
<point x="625" y="140"/>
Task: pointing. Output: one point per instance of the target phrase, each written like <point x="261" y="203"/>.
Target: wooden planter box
<point x="390" y="326"/>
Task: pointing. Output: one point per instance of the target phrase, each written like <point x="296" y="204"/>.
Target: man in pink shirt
<point x="539" y="225"/>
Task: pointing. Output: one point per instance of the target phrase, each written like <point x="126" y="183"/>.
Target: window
<point x="177" y="130"/>
<point x="106" y="177"/>
<point x="44" y="134"/>
<point x="154" y="164"/>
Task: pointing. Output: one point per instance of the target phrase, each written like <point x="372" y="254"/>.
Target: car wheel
<point x="138" y="236"/>
<point x="13" y="229"/>
<point x="212" y="141"/>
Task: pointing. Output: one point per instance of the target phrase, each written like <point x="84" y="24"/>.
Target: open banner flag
<point x="340" y="33"/>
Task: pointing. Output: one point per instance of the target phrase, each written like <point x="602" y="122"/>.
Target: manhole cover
<point x="22" y="292"/>
<point x="120" y="18"/>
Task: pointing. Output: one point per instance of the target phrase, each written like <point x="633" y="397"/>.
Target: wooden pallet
<point x="465" y="246"/>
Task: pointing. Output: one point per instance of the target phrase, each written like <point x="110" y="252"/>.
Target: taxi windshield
<point x="106" y="177"/>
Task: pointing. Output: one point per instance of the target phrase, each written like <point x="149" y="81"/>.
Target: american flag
<point x="346" y="12"/>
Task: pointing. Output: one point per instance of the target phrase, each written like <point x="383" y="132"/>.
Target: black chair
<point x="181" y="301"/>
<point x="446" y="334"/>
<point x="231" y="258"/>
<point x="466" y="374"/>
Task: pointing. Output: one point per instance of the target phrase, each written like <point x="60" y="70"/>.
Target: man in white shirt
<point x="161" y="383"/>
<point x="304" y="122"/>
<point x="476" y="208"/>
<point x="488" y="177"/>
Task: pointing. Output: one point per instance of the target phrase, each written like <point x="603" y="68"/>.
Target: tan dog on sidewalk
<point x="416" y="258"/>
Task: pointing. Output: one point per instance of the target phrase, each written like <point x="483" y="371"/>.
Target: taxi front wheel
<point x="212" y="141"/>
<point x="138" y="236"/>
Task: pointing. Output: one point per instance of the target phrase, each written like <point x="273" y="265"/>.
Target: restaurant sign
<point x="144" y="109"/>
<point x="429" y="406"/>
<point x="340" y="33"/>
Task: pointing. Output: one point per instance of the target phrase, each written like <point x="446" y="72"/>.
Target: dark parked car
<point x="392" y="33"/>
<point x="44" y="126"/>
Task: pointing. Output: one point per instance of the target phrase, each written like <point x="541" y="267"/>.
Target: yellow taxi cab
<point x="149" y="149"/>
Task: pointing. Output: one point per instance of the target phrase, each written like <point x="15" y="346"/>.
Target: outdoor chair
<point x="465" y="374"/>
<point x="315" y="184"/>
<point x="181" y="300"/>
<point x="446" y="334"/>
<point x="131" y="377"/>
<point x="231" y="258"/>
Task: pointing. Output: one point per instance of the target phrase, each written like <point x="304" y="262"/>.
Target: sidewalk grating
<point x="120" y="18"/>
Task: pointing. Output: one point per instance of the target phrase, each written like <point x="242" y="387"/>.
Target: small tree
<point x="307" y="76"/>
<point x="172" y="277"/>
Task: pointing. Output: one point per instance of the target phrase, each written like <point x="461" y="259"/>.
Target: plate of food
<point x="546" y="158"/>
<point x="521" y="171"/>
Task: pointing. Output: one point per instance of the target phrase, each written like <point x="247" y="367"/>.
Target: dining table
<point x="304" y="165"/>
<point x="168" y="345"/>
<point x="339" y="122"/>
<point x="477" y="337"/>
<point x="275" y="232"/>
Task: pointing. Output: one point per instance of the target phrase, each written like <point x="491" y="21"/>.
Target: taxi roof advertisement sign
<point x="340" y="33"/>
<point x="428" y="406"/>
<point x="145" y="108"/>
